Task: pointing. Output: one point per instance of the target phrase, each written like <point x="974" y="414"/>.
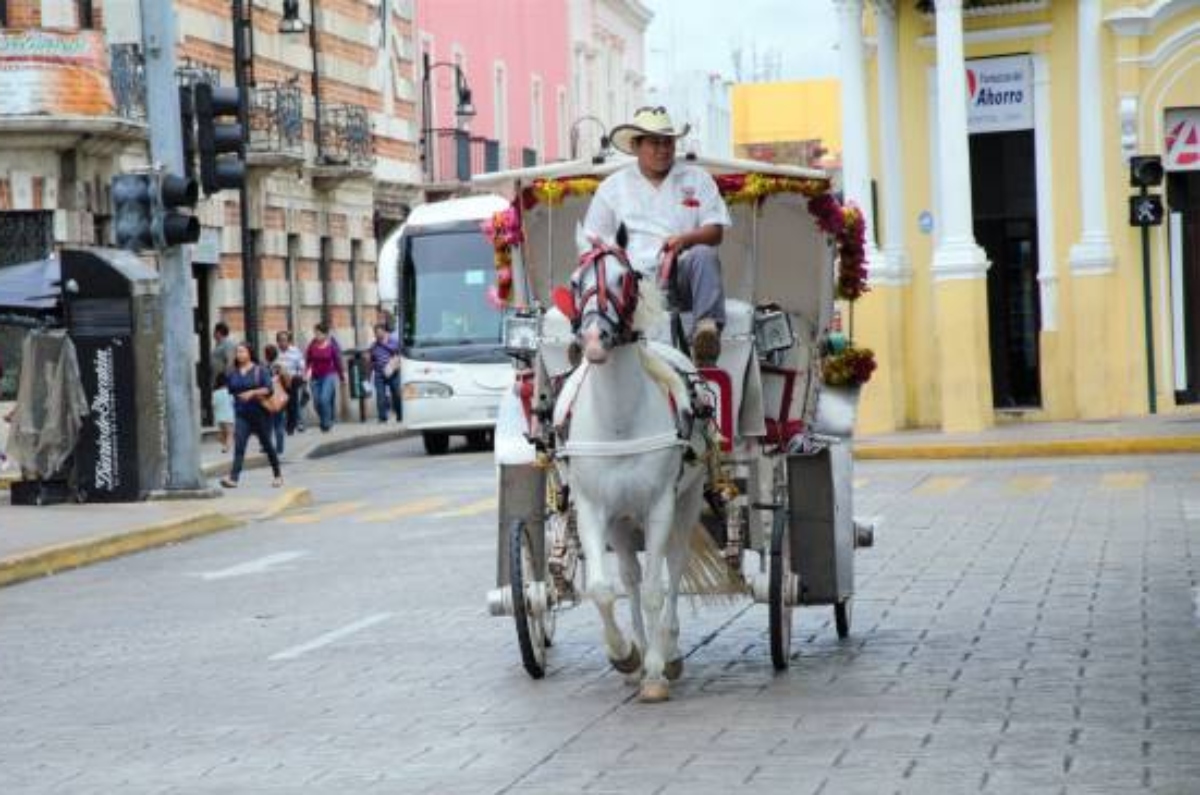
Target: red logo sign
<point x="1183" y="144"/>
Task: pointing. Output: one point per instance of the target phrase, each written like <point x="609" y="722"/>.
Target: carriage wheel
<point x="841" y="618"/>
<point x="779" y="598"/>
<point x="524" y="577"/>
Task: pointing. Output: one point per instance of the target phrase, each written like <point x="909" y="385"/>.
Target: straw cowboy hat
<point x="646" y="121"/>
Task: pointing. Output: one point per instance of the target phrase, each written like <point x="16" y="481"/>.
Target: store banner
<point x="1181" y="149"/>
<point x="54" y="73"/>
<point x="1000" y="94"/>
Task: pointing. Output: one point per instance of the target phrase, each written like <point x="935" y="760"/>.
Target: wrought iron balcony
<point x="276" y="125"/>
<point x="347" y="142"/>
<point x="127" y="74"/>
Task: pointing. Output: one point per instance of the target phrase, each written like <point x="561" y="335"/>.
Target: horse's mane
<point x="650" y="311"/>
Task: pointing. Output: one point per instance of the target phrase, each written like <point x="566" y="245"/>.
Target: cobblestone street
<point x="1020" y="627"/>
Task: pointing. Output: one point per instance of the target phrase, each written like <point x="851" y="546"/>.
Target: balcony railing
<point x="128" y="78"/>
<point x="277" y="120"/>
<point x="346" y="137"/>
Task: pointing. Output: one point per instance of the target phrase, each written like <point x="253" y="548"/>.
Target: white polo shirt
<point x="686" y="200"/>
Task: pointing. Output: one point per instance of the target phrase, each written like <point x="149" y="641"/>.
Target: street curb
<point x="75" y="554"/>
<point x="335" y="446"/>
<point x="1058" y="448"/>
<point x="292" y="498"/>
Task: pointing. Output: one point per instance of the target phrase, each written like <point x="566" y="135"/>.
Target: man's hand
<point x="674" y="244"/>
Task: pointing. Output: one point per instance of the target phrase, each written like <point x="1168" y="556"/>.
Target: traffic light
<point x="133" y="211"/>
<point x="172" y="228"/>
<point x="187" y="123"/>
<point x="145" y="208"/>
<point x="220" y="137"/>
<point x="1145" y="171"/>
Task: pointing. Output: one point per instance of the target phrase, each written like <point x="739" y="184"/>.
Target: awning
<point x="30" y="286"/>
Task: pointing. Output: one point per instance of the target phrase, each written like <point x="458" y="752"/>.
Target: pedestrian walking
<point x="323" y="371"/>
<point x="278" y="420"/>
<point x="292" y="360"/>
<point x="250" y="383"/>
<point x="220" y="359"/>
<point x="385" y="371"/>
<point x="223" y="411"/>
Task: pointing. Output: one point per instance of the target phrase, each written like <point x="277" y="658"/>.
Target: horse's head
<point x="605" y="294"/>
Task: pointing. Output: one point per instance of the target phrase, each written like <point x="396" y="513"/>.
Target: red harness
<point x="571" y="302"/>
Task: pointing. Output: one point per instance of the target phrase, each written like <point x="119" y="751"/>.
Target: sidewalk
<point x="36" y="541"/>
<point x="1161" y="433"/>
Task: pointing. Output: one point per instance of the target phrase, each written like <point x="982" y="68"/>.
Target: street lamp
<point x="291" y="22"/>
<point x="464" y="109"/>
<point x="604" y="142"/>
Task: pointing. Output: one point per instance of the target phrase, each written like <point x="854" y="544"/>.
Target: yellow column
<point x="964" y="359"/>
<point x="879" y="325"/>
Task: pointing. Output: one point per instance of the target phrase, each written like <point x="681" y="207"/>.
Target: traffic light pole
<point x="166" y="148"/>
<point x="1147" y="310"/>
<point x="249" y="275"/>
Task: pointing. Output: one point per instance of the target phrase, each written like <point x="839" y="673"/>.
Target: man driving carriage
<point x="672" y="211"/>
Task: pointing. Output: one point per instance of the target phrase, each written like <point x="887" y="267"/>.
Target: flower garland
<point x="851" y="367"/>
<point x="504" y="231"/>
<point x="552" y="192"/>
<point x="752" y="188"/>
<point x="845" y="223"/>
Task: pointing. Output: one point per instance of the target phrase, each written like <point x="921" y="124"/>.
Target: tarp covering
<point x="30" y="286"/>
<point x="51" y="405"/>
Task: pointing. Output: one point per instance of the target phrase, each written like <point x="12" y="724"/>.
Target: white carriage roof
<point x="586" y="168"/>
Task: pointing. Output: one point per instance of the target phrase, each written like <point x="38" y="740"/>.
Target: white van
<point x="434" y="273"/>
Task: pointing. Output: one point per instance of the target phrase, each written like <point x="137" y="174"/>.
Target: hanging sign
<point x="1181" y="149"/>
<point x="1000" y="94"/>
<point x="54" y="73"/>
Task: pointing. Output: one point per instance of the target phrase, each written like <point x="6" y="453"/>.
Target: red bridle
<point x="623" y="304"/>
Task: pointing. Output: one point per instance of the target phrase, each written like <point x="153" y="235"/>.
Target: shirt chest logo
<point x="689" y="197"/>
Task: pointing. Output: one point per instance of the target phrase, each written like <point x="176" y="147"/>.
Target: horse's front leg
<point x="631" y="577"/>
<point x="659" y="527"/>
<point x="592" y="522"/>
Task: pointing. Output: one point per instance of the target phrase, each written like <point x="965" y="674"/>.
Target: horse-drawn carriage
<point x="727" y="479"/>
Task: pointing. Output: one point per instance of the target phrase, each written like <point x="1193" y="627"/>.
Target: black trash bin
<point x="114" y="316"/>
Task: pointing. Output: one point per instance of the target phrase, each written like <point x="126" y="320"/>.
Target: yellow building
<point x="781" y="121"/>
<point x="1007" y="281"/>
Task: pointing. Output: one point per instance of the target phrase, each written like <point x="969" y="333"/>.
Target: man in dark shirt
<point x="385" y="371"/>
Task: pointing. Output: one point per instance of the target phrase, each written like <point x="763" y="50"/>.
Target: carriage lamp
<point x="414" y="390"/>
<point x="521" y="332"/>
<point x="772" y="330"/>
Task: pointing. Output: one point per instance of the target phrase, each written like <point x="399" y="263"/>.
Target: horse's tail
<point x="708" y="575"/>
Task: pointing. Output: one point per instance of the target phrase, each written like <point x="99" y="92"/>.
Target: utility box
<point x="114" y="316"/>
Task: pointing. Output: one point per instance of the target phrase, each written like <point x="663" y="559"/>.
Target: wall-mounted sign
<point x="46" y="72"/>
<point x="1181" y="149"/>
<point x="1000" y="94"/>
<point x="925" y="222"/>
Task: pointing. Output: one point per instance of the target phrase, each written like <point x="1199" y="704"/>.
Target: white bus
<point x="434" y="273"/>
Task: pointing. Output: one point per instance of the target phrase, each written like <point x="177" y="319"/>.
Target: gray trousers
<point x="698" y="288"/>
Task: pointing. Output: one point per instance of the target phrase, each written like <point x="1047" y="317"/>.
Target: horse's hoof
<point x="673" y="669"/>
<point x="631" y="663"/>
<point x="654" y="691"/>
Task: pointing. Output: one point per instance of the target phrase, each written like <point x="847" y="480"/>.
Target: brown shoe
<point x="706" y="343"/>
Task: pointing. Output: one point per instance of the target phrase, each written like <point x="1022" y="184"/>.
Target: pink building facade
<point x="515" y="58"/>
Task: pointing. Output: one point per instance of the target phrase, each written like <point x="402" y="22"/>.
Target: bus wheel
<point x="436" y="443"/>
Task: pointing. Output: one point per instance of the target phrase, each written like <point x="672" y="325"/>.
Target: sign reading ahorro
<point x="51" y="73"/>
<point x="1000" y="94"/>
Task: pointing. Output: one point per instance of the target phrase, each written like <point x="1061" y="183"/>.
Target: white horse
<point x="626" y="469"/>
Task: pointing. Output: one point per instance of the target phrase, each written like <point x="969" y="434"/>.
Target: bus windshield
<point x="444" y="284"/>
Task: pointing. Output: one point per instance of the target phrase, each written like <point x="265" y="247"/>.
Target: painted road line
<point x="941" y="484"/>
<point x="254" y="566"/>
<point x="407" y="509"/>
<point x="1030" y="484"/>
<point x="331" y="637"/>
<point x="861" y="483"/>
<point x="470" y="509"/>
<point x="1191" y="510"/>
<point x="331" y="511"/>
<point x="1124" y="481"/>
